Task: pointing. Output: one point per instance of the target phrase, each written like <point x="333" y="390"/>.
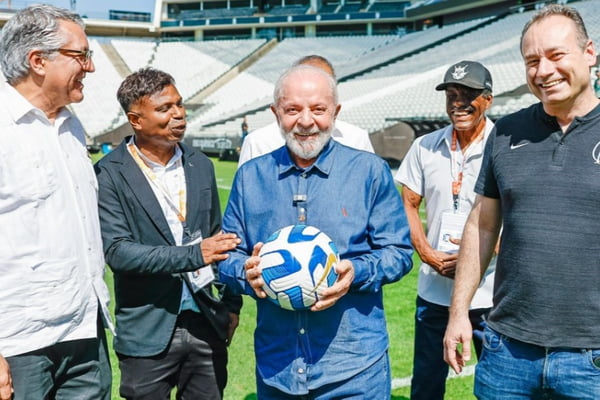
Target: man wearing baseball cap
<point x="442" y="168"/>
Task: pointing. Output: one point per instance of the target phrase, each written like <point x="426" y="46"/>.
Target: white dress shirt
<point x="268" y="138"/>
<point x="170" y="181"/>
<point x="51" y="259"/>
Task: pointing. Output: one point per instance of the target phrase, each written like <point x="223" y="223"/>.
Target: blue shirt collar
<point x="323" y="163"/>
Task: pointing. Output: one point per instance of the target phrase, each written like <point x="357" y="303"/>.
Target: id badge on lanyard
<point x="451" y="227"/>
<point x="202" y="276"/>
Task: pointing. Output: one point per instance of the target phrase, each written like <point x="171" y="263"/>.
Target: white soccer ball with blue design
<point x="298" y="263"/>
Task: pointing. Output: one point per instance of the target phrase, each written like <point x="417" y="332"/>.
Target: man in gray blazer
<point x="161" y="228"/>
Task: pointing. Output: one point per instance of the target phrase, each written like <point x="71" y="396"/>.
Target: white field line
<point x="220" y="183"/>
<point x="404" y="382"/>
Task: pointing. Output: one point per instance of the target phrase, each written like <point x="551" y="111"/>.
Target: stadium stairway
<point x="116" y="59"/>
<point x="198" y="99"/>
<point x="119" y="127"/>
<point x="418" y="50"/>
<point x="260" y="105"/>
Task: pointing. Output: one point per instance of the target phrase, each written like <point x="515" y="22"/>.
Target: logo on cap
<point x="459" y="72"/>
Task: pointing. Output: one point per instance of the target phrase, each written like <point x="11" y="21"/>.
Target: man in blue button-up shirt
<point x="338" y="348"/>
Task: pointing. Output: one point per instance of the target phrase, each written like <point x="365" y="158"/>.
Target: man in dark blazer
<point x="161" y="228"/>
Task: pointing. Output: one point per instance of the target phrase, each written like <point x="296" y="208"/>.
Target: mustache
<point x="303" y="132"/>
<point x="468" y="108"/>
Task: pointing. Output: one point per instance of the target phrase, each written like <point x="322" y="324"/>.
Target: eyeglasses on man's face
<point x="83" y="56"/>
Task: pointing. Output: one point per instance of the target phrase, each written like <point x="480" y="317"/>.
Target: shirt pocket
<point x="39" y="295"/>
<point x="25" y="177"/>
<point x="57" y="292"/>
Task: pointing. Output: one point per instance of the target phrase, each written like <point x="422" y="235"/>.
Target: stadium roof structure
<point x="105" y="27"/>
<point x="437" y="8"/>
<point x="312" y="15"/>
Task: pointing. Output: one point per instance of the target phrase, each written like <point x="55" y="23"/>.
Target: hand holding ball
<point x="297" y="263"/>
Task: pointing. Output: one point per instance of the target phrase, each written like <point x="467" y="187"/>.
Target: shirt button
<point x="300" y="370"/>
<point x="302" y="331"/>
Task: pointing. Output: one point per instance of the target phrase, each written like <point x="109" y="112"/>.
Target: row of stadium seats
<point x="257" y="82"/>
<point x="405" y="89"/>
<point x="382" y="77"/>
<point x="346" y="53"/>
<point x="194" y="65"/>
<point x="278" y="10"/>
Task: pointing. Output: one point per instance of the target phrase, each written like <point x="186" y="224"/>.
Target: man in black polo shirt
<point x="541" y="178"/>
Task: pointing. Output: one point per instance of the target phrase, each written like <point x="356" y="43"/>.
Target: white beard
<point x="307" y="149"/>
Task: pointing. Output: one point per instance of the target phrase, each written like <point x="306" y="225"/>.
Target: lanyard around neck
<point x="456" y="169"/>
<point x="181" y="209"/>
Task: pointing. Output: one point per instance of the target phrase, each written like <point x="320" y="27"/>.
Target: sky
<point x="90" y="8"/>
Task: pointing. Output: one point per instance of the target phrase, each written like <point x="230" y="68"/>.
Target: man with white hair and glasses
<point x="53" y="299"/>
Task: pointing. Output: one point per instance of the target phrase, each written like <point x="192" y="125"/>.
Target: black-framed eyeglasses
<point x="84" y="56"/>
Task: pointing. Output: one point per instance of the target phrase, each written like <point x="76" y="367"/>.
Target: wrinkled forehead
<point x="309" y="86"/>
<point x="562" y="30"/>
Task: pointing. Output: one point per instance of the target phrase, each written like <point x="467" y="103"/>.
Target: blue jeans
<point x="373" y="383"/>
<point x="510" y="369"/>
<point x="429" y="368"/>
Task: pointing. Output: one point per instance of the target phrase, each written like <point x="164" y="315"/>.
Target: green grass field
<point x="399" y="301"/>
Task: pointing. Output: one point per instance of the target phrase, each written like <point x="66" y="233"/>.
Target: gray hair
<point x="278" y="92"/>
<point x="142" y="83"/>
<point x="565" y="11"/>
<point x="316" y="61"/>
<point x="33" y="28"/>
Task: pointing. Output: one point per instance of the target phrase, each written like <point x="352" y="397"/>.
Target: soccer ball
<point x="297" y="263"/>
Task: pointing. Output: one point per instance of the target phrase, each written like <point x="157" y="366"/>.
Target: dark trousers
<point x="77" y="369"/>
<point x="429" y="369"/>
<point x="195" y="361"/>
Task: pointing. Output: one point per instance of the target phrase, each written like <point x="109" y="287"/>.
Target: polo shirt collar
<point x="593" y="114"/>
<point x="552" y="123"/>
<point x="447" y="136"/>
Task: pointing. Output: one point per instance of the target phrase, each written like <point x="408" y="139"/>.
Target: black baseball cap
<point x="467" y="73"/>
